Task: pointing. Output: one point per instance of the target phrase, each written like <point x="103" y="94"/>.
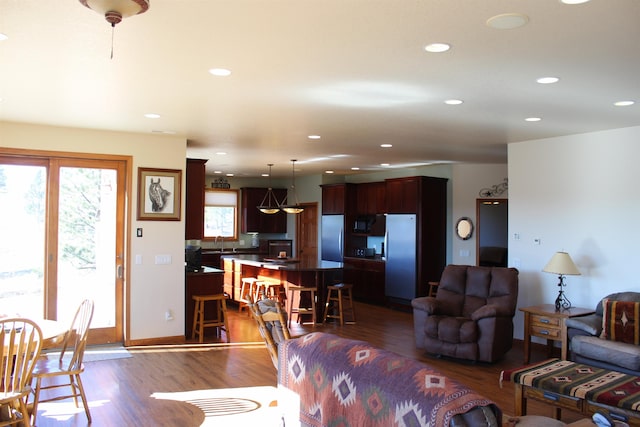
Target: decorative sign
<point x="495" y="190"/>
<point x="220" y="183"/>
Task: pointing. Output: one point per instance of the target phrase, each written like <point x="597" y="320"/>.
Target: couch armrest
<point x="591" y="324"/>
<point x="426" y="304"/>
<point x="490" y="310"/>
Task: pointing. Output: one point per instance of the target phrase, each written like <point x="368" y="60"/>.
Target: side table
<point x="544" y="321"/>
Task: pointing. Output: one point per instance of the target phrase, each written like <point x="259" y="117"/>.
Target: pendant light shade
<point x="293" y="208"/>
<point x="115" y="11"/>
<point x="269" y="204"/>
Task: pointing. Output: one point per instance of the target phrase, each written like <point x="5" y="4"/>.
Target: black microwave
<point x="363" y="224"/>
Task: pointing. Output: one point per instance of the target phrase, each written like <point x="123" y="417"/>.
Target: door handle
<point x="119" y="271"/>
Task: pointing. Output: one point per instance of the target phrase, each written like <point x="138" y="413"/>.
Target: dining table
<point x="53" y="331"/>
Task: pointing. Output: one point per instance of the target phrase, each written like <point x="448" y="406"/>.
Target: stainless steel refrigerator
<point x="401" y="267"/>
<point x="332" y="239"/>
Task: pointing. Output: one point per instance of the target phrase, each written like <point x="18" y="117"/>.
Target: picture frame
<point x="159" y="194"/>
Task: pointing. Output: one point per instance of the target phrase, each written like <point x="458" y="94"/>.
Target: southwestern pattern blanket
<point x="345" y="382"/>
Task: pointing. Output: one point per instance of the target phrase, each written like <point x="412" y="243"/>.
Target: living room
<point x="575" y="192"/>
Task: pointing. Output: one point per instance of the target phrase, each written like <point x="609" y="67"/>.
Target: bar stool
<point x="220" y="321"/>
<point x="247" y="292"/>
<point x="292" y="289"/>
<point x="269" y="289"/>
<point x="335" y="293"/>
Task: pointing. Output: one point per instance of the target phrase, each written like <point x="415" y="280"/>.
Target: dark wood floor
<point x="120" y="390"/>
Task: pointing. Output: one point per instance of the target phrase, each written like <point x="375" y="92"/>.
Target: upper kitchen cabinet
<point x="338" y="199"/>
<point x="403" y="194"/>
<point x="371" y="197"/>
<point x="254" y="221"/>
<point x="194" y="199"/>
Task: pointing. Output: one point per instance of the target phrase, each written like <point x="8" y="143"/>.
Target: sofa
<point x="471" y="316"/>
<point x="617" y="349"/>
<point x="340" y="381"/>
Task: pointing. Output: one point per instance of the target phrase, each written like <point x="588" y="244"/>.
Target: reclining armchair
<point x="471" y="316"/>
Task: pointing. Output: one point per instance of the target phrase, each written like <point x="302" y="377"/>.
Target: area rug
<point x="234" y="406"/>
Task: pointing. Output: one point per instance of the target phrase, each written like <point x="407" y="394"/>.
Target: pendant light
<point x="114" y="11"/>
<point x="272" y="206"/>
<point x="294" y="208"/>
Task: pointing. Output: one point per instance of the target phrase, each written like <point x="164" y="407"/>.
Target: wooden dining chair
<point x="21" y="343"/>
<point x="272" y="324"/>
<point x="69" y="368"/>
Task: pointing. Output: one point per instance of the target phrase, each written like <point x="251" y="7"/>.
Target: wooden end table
<point x="544" y="321"/>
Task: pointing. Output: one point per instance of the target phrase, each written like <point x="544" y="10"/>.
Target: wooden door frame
<point x="313" y="205"/>
<point x="123" y="311"/>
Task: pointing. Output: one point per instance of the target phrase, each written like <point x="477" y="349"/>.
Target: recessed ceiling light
<point x="221" y="153"/>
<point x="386" y="145"/>
<point x="437" y="47"/>
<point x="3" y="37"/>
<point x="220" y="72"/>
<point x="265" y="174"/>
<point x="573" y="1"/>
<point x="152" y="116"/>
<point x="507" y="21"/>
<point x="453" y="101"/>
<point x="624" y="103"/>
<point x="217" y="171"/>
<point x="384" y="164"/>
<point x="314" y="137"/>
<point x="532" y="119"/>
<point x="328" y="171"/>
<point x="229" y="174"/>
<point x="355" y="168"/>
<point x="547" y="80"/>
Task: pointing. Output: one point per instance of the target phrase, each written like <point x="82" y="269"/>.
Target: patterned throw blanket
<point x="345" y="382"/>
<point x="577" y="380"/>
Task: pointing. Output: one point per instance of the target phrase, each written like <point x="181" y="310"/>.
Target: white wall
<point x="153" y="288"/>
<point x="577" y="193"/>
<point x="467" y="181"/>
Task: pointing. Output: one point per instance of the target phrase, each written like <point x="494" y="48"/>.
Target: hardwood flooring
<point x="120" y="391"/>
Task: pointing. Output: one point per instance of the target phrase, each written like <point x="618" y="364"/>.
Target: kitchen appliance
<point x="278" y="246"/>
<point x="401" y="267"/>
<point x="332" y="237"/>
<point x="363" y="224"/>
<point x="365" y="252"/>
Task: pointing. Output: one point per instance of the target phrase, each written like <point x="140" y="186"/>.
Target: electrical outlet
<point x="536" y="241"/>
<point x="168" y="315"/>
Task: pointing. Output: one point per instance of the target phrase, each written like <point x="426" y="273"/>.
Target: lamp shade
<point x="115" y="11"/>
<point x="561" y="263"/>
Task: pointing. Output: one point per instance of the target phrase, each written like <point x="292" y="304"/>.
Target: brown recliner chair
<point x="471" y="316"/>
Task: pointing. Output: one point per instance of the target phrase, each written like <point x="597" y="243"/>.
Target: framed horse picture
<point x="159" y="194"/>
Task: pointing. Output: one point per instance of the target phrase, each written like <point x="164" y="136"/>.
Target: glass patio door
<point x="65" y="243"/>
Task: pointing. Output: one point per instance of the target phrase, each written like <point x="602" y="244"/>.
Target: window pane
<point x="22" y="223"/>
<point x="219" y="221"/>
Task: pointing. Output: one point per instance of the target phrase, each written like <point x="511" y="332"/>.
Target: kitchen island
<point x="308" y="273"/>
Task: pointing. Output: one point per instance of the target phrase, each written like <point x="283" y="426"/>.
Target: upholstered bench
<point x="581" y="388"/>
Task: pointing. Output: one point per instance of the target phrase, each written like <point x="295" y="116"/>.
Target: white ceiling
<point x="354" y="72"/>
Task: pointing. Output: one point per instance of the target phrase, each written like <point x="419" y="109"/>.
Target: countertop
<point x="302" y="265"/>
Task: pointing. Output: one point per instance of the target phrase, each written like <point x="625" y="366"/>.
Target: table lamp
<point x="561" y="264"/>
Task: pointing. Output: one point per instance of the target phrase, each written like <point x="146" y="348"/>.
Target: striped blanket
<point x="577" y="380"/>
<point x="344" y="382"/>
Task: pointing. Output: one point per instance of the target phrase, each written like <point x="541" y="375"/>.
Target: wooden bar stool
<point x="220" y="321"/>
<point x="292" y="289"/>
<point x="247" y="292"/>
<point x="340" y="293"/>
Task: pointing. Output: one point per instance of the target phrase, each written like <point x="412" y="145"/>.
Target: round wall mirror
<point x="464" y="228"/>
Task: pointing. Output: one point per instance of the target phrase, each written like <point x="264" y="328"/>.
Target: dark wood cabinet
<point x="254" y="221"/>
<point x="371" y="198"/>
<point x="206" y="282"/>
<point x="194" y="199"/>
<point x="338" y="199"/>
<point x="368" y="279"/>
<point x="402" y="194"/>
